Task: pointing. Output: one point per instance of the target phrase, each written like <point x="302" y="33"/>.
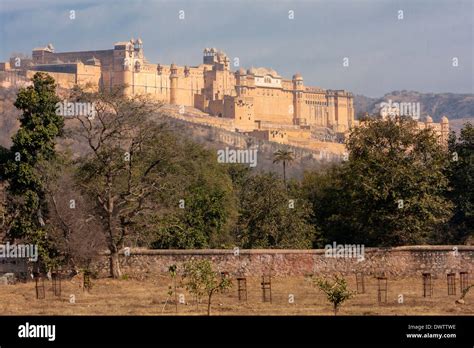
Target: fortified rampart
<point x="222" y="134"/>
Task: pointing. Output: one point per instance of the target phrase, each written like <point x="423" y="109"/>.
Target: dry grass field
<point x="132" y="297"/>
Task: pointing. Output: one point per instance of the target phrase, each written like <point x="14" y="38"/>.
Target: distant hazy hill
<point x="454" y="106"/>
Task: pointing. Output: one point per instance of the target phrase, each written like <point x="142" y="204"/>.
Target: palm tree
<point x="285" y="156"/>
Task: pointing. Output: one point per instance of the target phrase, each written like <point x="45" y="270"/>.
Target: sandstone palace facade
<point x="257" y="101"/>
<point x="251" y="97"/>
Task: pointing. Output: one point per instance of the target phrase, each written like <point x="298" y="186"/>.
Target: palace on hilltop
<point x="249" y="96"/>
<point x="257" y="101"/>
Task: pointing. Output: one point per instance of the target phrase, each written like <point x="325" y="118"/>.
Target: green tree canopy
<point x="390" y="191"/>
<point x="272" y="217"/>
<point x="32" y="144"/>
<point x="461" y="177"/>
<point x="201" y="207"/>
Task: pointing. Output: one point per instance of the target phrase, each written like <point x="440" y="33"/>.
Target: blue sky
<point x="384" y="53"/>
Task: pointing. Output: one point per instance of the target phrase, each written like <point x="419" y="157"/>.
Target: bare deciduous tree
<point x="124" y="166"/>
<point x="73" y="227"/>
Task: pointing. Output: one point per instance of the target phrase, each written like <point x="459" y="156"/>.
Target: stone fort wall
<point x="221" y="133"/>
<point x="222" y="130"/>
<point x="396" y="262"/>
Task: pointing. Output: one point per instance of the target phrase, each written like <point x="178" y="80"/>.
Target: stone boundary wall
<point x="403" y="261"/>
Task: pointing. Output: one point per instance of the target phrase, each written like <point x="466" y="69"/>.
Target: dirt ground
<point x="132" y="297"/>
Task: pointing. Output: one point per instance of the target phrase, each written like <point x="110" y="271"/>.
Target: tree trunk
<point x="115" y="271"/>
<point x="284" y="173"/>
